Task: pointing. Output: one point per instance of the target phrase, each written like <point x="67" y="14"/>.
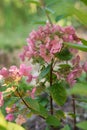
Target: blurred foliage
<point x="19" y="17"/>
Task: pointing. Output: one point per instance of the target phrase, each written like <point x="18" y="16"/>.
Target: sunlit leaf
<point x="12" y="126"/>
<point x="33" y="1"/>
<point x="3" y="123"/>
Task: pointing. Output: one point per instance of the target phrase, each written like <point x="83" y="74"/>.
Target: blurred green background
<point x="19" y="17"/>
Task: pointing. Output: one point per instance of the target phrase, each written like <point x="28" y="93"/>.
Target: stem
<point x="74" y="111"/>
<point x="51" y="101"/>
<point x="23" y="99"/>
<point x="44" y="8"/>
<point x="86" y="76"/>
<point x="51" y="69"/>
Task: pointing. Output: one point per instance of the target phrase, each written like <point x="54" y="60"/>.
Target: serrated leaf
<point x="82" y="125"/>
<point x="44" y="72"/>
<point x="66" y="128"/>
<point x="79" y="89"/>
<point x="38" y="108"/>
<point x="76" y="46"/>
<point x="58" y="93"/>
<point x="53" y="121"/>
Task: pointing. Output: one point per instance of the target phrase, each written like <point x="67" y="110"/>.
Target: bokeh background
<point x="19" y="17"/>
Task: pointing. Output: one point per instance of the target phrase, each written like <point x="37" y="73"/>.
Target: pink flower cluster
<point x="47" y="41"/>
<point x="72" y="73"/>
<point x="75" y="72"/>
<point x="14" y="74"/>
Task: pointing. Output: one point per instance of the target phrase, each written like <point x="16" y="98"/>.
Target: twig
<point x="74" y="111"/>
<point x="44" y="8"/>
<point x="23" y="99"/>
<point x="51" y="101"/>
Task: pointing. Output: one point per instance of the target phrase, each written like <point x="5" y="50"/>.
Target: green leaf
<point x="58" y="93"/>
<point x="84" y="41"/>
<point x="2" y="128"/>
<point x="49" y="11"/>
<point x="3" y="123"/>
<point x="82" y="125"/>
<point x="53" y="121"/>
<point x="38" y="108"/>
<point x="76" y="46"/>
<point x="79" y="89"/>
<point x="66" y="128"/>
<point x="44" y="72"/>
<point x="33" y="1"/>
<point x="59" y="17"/>
<point x="8" y="125"/>
<point x="81" y="15"/>
<point x="13" y="126"/>
<point x="60" y="114"/>
<point x="64" y="54"/>
<point x="40" y="22"/>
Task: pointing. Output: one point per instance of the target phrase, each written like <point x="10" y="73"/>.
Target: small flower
<point x="32" y="93"/>
<point x="4" y="72"/>
<point x="24" y="70"/>
<point x="20" y="120"/>
<point x="9" y="117"/>
<point x="10" y="109"/>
